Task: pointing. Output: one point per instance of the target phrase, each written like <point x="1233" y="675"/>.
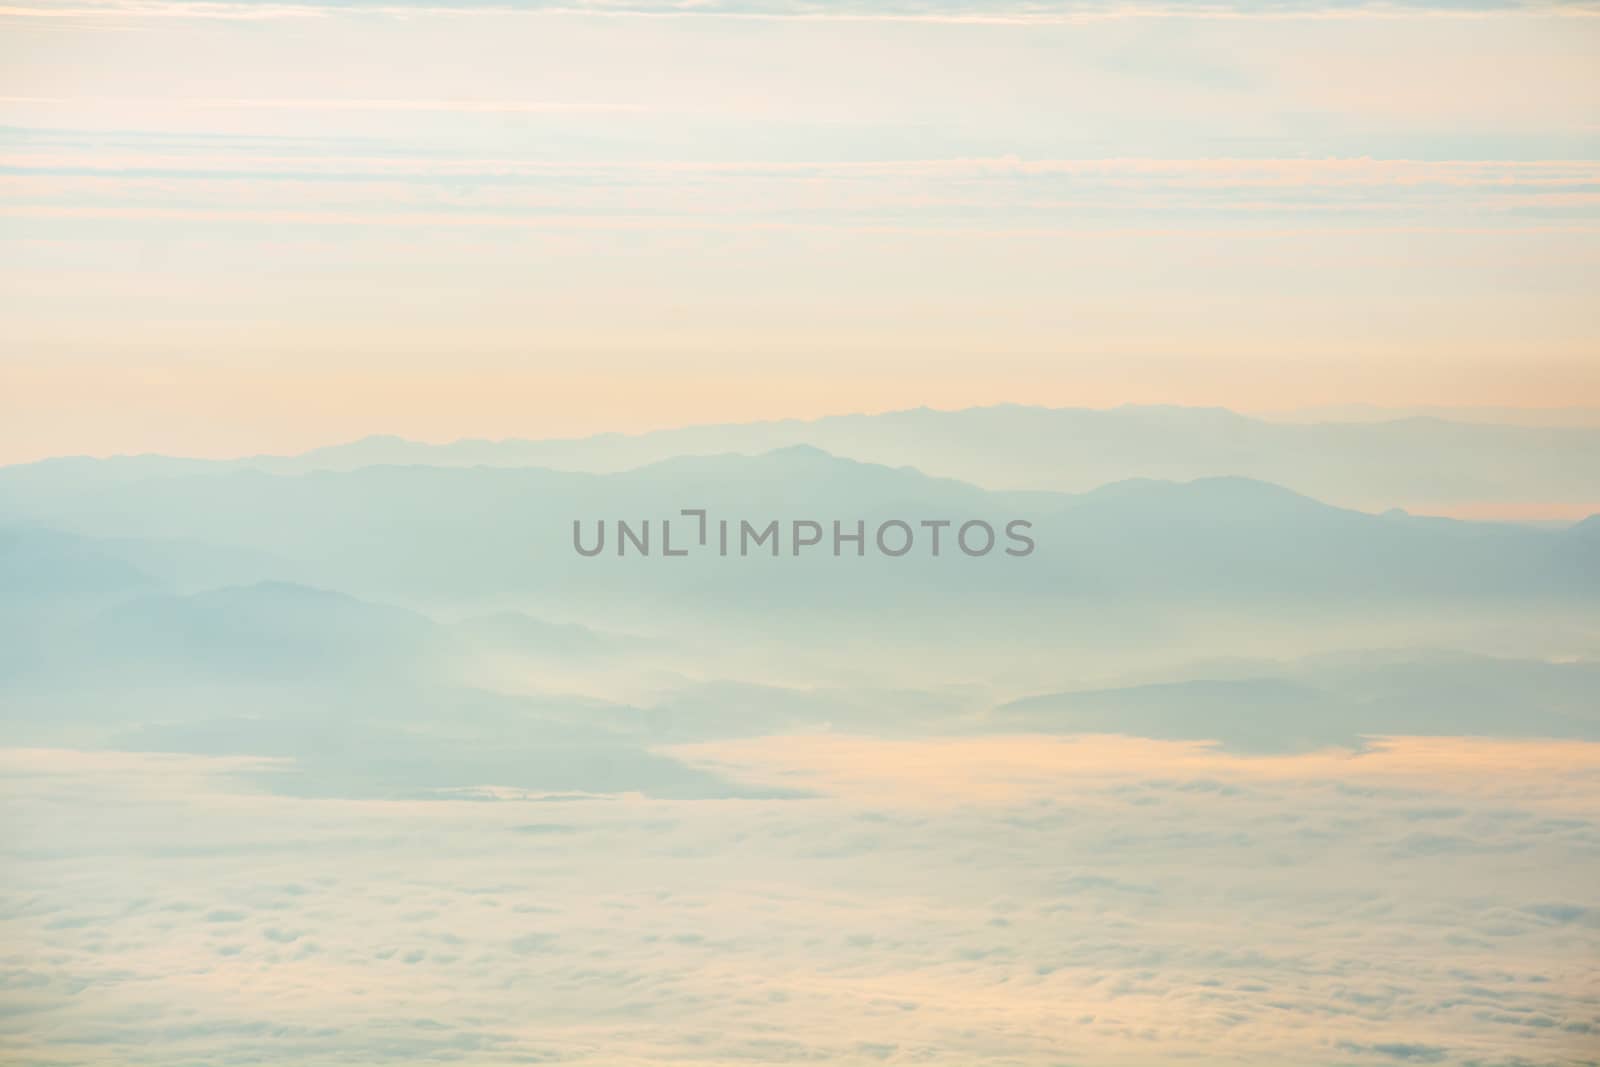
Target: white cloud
<point x="1116" y="902"/>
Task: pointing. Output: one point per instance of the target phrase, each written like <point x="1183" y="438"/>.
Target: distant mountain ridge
<point x="1415" y="463"/>
<point x="458" y="534"/>
<point x="400" y="628"/>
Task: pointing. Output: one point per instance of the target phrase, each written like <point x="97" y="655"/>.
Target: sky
<point x="236" y="227"/>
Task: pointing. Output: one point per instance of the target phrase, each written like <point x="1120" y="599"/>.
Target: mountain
<point x="1333" y="701"/>
<point x="477" y="537"/>
<point x="442" y="631"/>
<point x="359" y="699"/>
<point x="36" y="561"/>
<point x="267" y="630"/>
<point x="1419" y="463"/>
<point x="48" y="577"/>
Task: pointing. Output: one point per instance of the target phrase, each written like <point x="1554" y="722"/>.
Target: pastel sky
<point x="230" y="227"/>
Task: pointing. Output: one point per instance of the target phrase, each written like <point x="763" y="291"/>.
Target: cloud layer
<point x="936" y="903"/>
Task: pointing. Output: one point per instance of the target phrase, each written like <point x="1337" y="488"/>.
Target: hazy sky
<point x="236" y="226"/>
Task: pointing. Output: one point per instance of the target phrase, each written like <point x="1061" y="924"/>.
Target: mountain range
<point x="459" y="535"/>
<point x="393" y="618"/>
<point x="1418" y="463"/>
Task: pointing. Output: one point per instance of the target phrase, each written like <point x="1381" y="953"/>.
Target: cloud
<point x="1121" y="902"/>
<point x="958" y="12"/>
<point x="1398" y="1050"/>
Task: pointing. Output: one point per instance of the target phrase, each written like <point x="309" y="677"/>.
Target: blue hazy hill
<point x="1334" y="702"/>
<point x="396" y="629"/>
<point x="456" y="535"/>
<point x="1411" y="462"/>
<point x="360" y="698"/>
